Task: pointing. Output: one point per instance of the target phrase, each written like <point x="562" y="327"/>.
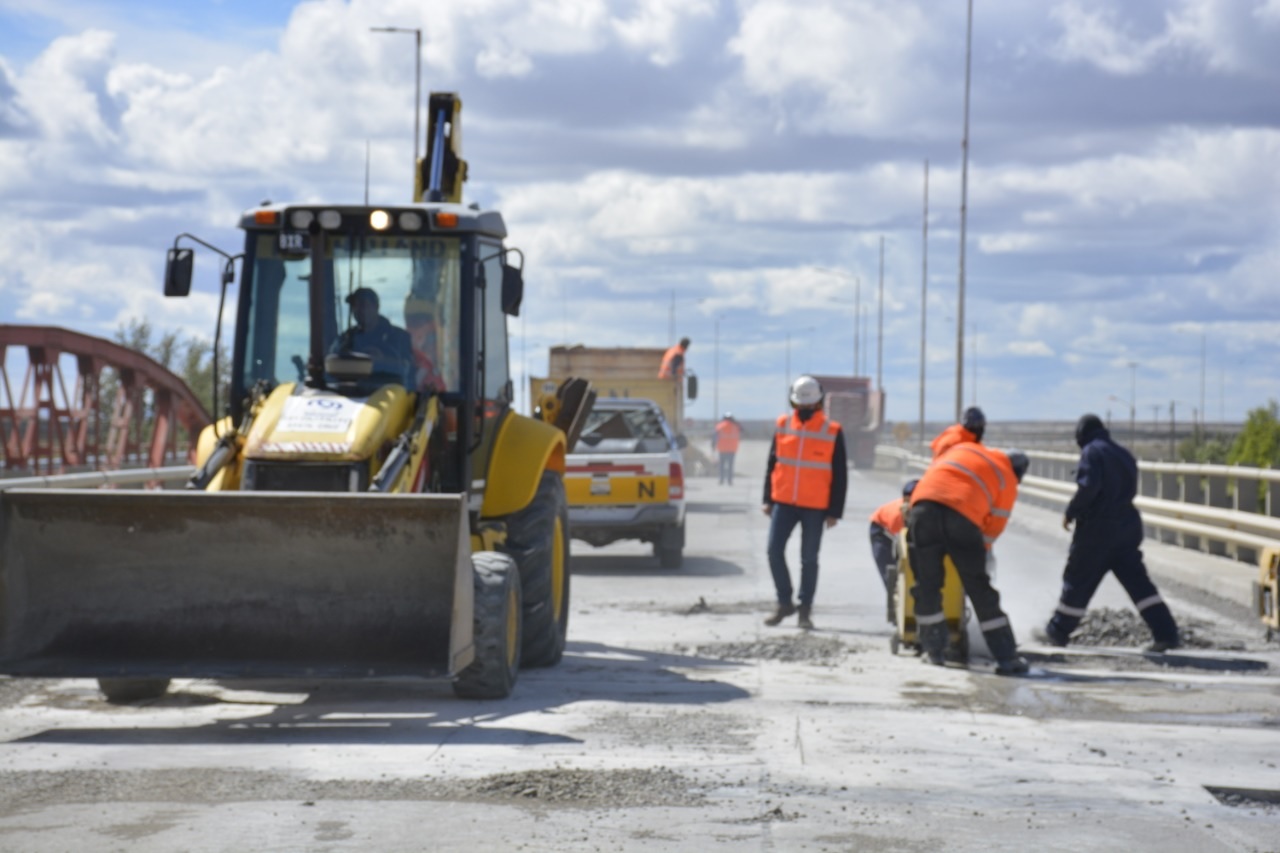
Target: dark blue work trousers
<point x="726" y="467"/>
<point x="1101" y="547"/>
<point x="882" y="549"/>
<point x="783" y="521"/>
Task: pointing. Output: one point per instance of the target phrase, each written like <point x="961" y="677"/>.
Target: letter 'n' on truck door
<point x="646" y="489"/>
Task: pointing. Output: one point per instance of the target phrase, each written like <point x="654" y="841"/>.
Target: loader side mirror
<point x="512" y="290"/>
<point x="177" y="272"/>
<point x="691" y="382"/>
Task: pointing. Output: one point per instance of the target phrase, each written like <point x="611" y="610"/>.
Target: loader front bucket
<point x="235" y="584"/>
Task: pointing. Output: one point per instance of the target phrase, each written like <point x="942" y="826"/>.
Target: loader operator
<point x="971" y="427"/>
<point x="959" y="506"/>
<point x="373" y="335"/>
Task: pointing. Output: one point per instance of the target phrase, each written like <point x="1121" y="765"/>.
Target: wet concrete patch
<point x="1250" y="798"/>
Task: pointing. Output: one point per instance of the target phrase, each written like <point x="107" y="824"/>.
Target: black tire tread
<point x="489" y="676"/>
<point x="530" y="535"/>
<point x="122" y="690"/>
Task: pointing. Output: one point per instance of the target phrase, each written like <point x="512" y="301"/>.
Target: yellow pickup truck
<point x="625" y="479"/>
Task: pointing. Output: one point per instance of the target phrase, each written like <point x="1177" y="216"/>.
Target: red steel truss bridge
<point x="86" y="403"/>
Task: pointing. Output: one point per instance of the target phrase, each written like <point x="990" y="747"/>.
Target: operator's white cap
<point x="806" y="391"/>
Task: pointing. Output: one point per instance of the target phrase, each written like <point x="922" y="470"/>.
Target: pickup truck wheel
<point x="669" y="549"/>
<point x="492" y="674"/>
<point x="538" y="541"/>
<point x="120" y="690"/>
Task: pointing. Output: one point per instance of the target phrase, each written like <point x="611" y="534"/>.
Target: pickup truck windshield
<point x="625" y="431"/>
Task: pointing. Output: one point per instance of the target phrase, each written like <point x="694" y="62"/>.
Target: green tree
<point x="1258" y="443"/>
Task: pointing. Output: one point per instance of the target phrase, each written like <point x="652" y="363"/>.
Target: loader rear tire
<point x="121" y="690"/>
<point x="538" y="540"/>
<point x="492" y="674"/>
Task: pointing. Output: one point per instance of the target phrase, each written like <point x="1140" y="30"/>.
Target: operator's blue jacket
<point x="1106" y="480"/>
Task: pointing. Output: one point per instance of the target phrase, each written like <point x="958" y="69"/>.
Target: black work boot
<point x="804" y="621"/>
<point x="1005" y="650"/>
<point x="933" y="642"/>
<point x="782" y="612"/>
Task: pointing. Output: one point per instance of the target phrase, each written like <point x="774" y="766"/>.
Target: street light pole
<point x="964" y="209"/>
<point x="1133" y="404"/>
<point x="880" y="324"/>
<point x="417" y="87"/>
<point x="924" y="289"/>
<point x="715" y="382"/>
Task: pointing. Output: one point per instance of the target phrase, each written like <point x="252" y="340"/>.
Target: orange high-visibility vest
<point x="668" y="358"/>
<point x="728" y="434"/>
<point x="802" y="467"/>
<point x="976" y="481"/>
<point x="889" y="516"/>
<point x="949" y="438"/>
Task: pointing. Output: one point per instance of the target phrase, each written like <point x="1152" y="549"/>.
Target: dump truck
<point x="369" y="505"/>
<point x="859" y="409"/>
<point x="620" y="372"/>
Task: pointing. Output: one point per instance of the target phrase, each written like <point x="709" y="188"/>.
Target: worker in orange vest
<point x="725" y="443"/>
<point x="804" y="485"/>
<point x="886" y="523"/>
<point x="971" y="427"/>
<point x="673" y="361"/>
<point x="959" y="507"/>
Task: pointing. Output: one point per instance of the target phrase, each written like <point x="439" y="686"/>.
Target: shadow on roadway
<point x="411" y="711"/>
<point x="646" y="565"/>
<point x="1205" y="662"/>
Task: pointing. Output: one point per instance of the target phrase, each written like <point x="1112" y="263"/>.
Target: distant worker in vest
<point x="673" y="361"/>
<point x="973" y="423"/>
<point x="725" y="443"/>
<point x="886" y="523"/>
<point x="1107" y="538"/>
<point x="804" y="485"/>
<point x="959" y="507"/>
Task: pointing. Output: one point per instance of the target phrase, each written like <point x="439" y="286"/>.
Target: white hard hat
<point x="806" y="391"/>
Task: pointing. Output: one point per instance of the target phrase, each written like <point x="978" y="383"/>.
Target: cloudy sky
<point x="678" y="167"/>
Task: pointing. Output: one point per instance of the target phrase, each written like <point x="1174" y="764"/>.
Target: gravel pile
<point x="1107" y="627"/>
<point x="613" y="788"/>
<point x="795" y="648"/>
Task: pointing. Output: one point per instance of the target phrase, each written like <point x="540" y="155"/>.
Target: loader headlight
<point x="330" y="220"/>
<point x="301" y="219"/>
<point x="410" y="221"/>
<point x="379" y="220"/>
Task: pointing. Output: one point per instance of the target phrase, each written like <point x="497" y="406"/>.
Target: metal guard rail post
<point x="99" y="479"/>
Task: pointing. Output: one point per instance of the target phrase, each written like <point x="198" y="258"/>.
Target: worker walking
<point x="804" y="485"/>
<point x="886" y="523"/>
<point x="973" y="423"/>
<point x="673" y="361"/>
<point x="1107" y="537"/>
<point x="959" y="507"/>
<point x="725" y="443"/>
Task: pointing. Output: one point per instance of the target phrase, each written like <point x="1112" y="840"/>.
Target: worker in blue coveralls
<point x="1107" y="537"/>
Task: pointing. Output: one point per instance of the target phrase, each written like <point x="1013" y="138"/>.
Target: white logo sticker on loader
<point x="318" y="414"/>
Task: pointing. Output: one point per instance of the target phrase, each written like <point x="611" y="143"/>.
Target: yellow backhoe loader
<point x="369" y="506"/>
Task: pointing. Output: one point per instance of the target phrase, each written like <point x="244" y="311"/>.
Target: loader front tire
<point x="122" y="690"/>
<point x="492" y="674"/>
<point x="538" y="540"/>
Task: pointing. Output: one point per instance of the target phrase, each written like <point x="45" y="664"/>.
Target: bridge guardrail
<point x="99" y="479"/>
<point x="1213" y="508"/>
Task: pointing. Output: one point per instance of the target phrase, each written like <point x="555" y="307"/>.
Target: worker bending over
<point x="959" y="507"/>
<point x="970" y="429"/>
<point x="886" y="523"/>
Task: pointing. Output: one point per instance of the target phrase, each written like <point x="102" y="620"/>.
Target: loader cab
<point x="438" y="273"/>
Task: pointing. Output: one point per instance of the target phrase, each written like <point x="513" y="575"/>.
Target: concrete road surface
<point x="678" y="721"/>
